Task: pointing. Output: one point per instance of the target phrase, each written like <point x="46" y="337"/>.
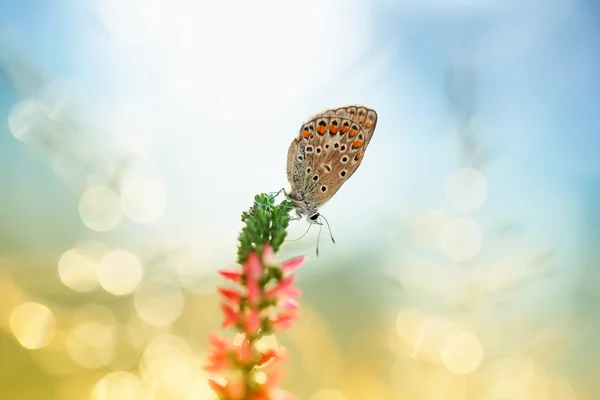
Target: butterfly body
<point x="327" y="151"/>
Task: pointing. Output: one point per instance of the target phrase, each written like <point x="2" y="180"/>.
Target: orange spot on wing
<point x="369" y="124"/>
<point x="311" y="134"/>
<point x="321" y="130"/>
<point x="333" y="129"/>
<point x="343" y="129"/>
<point x="305" y="135"/>
<point x="357" y="156"/>
<point x="361" y="119"/>
<point x="300" y="136"/>
<point x="356" y="144"/>
<point x="352" y="133"/>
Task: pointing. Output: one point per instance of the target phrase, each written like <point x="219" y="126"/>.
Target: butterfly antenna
<point x="318" y="238"/>
<point x="328" y="227"/>
<point x="293" y="240"/>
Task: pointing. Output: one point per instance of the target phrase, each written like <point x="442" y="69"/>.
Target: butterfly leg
<point x="277" y="193"/>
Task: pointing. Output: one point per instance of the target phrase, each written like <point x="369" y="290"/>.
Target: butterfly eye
<point x="323" y="188"/>
<point x="314" y="217"/>
<point x="343" y="173"/>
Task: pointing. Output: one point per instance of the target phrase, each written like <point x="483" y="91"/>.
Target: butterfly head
<point x="304" y="207"/>
<point x="313" y="218"/>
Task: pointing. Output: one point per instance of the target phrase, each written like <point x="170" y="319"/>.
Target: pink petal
<point x="230" y="294"/>
<point x="268" y="256"/>
<point x="292" y="292"/>
<point x="284" y="321"/>
<point x="218" y="342"/>
<point x="235" y="276"/>
<point x="281" y="287"/>
<point x="252" y="267"/>
<point x="291" y="265"/>
<point x="217" y="387"/>
<point x="289" y="304"/>
<point x="275" y="355"/>
<point x="235" y="389"/>
<point x="274" y="378"/>
<point x="252" y="322"/>
<point x="231" y="315"/>
<point x="254" y="293"/>
<point x="245" y="352"/>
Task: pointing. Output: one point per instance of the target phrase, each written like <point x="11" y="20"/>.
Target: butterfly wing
<point x="328" y="150"/>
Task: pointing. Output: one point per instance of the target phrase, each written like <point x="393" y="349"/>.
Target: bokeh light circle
<point x="91" y="344"/>
<point x="158" y="304"/>
<point x="118" y="385"/>
<point x="25" y="117"/>
<point x="33" y="325"/>
<point x="77" y="266"/>
<point x="119" y="272"/>
<point x="100" y="209"/>
<point x="461" y="353"/>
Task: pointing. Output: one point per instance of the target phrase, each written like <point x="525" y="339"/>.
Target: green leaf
<point x="265" y="223"/>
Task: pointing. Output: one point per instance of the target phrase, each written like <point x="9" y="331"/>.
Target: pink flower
<point x="264" y="298"/>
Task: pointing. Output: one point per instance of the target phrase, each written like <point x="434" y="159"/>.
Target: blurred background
<point x="136" y="132"/>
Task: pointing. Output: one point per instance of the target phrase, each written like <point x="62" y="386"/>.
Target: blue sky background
<point x="536" y="100"/>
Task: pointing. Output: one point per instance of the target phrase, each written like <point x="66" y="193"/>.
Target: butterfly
<point x="326" y="153"/>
